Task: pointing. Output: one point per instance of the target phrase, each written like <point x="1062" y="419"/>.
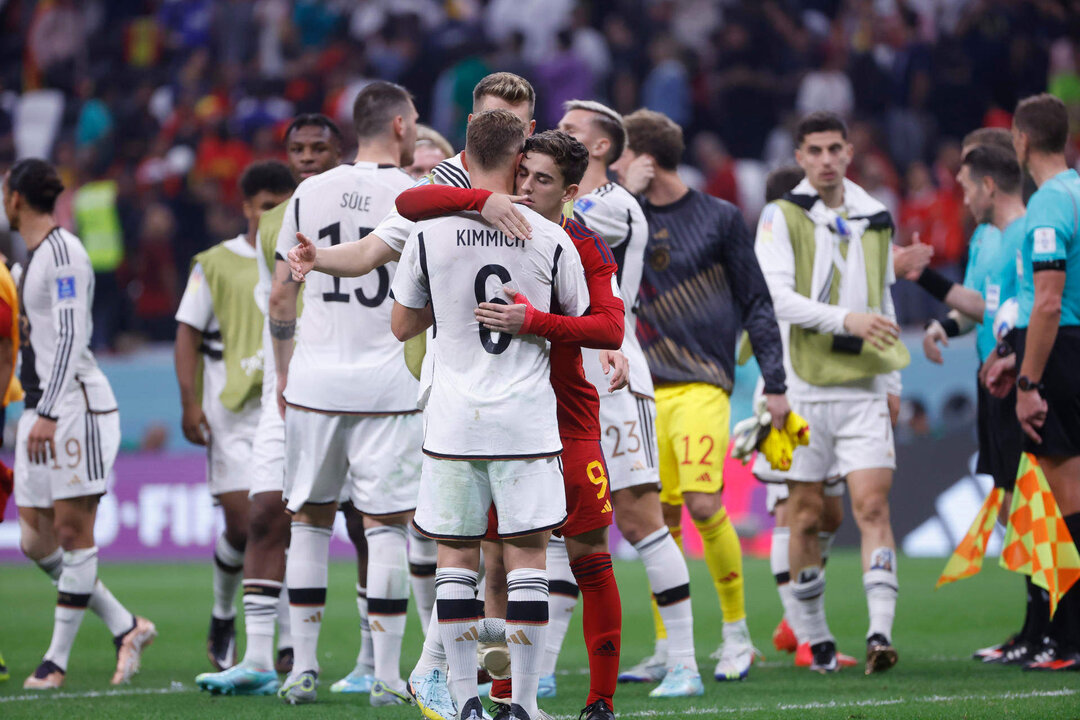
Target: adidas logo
<point x="314" y="618"/>
<point x="703" y="478"/>
<point x="607" y="507"/>
<point x="729" y="577"/>
<point x="608" y="649"/>
<point x="376" y="626"/>
<point x="469" y="635"/>
<point x="518" y="638"/>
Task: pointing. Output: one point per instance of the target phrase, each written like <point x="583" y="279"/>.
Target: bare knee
<point x="702" y="506"/>
<point x="267" y="521"/>
<point x="833" y="515"/>
<point x="354" y="526"/>
<point x="871" y="511"/>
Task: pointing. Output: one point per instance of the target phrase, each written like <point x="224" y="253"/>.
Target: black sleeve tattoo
<point x="282" y="330"/>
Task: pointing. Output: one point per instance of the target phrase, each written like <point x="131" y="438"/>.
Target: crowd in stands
<point x="152" y="108"/>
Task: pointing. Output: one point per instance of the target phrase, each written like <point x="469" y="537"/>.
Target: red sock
<point x="501" y="689"/>
<point x="602" y="623"/>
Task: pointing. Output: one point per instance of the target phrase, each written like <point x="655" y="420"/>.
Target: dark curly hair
<point x="571" y="157"/>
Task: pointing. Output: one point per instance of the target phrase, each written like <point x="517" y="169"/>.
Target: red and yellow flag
<point x="967" y="559"/>
<point x="1037" y="541"/>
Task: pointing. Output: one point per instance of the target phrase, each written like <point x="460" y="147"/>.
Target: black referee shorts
<point x="1061" y="380"/>
<point x="1000" y="437"/>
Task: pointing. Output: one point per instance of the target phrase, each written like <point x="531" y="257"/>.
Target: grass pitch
<point x="935" y="634"/>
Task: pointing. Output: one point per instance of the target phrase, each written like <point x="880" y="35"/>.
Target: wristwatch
<point x="1026" y="384"/>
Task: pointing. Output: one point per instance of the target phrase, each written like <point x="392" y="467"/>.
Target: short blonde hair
<point x="507" y="86"/>
<point x="425" y="134"/>
<point x="494" y="137"/>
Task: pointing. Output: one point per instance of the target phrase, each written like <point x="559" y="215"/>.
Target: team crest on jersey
<point x="659" y="257"/>
<point x="65" y="287"/>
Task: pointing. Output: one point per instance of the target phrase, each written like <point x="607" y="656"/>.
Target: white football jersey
<point x="346" y="359"/>
<point x="56" y="292"/>
<point x="394" y="229"/>
<point x="613" y="213"/>
<point x="491" y="395"/>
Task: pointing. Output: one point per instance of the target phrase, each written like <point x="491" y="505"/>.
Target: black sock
<point x="1028" y="632"/>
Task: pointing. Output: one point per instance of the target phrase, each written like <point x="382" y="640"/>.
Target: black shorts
<point x="1061" y="380"/>
<point x="1000" y="437"/>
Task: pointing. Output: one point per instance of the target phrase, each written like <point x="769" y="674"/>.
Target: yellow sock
<point x="724" y="558"/>
<point x="676" y="534"/>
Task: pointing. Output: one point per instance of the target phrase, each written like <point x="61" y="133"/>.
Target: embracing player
<point x="476" y="451"/>
<point x="351" y="421"/>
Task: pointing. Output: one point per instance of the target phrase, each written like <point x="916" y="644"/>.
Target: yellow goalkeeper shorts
<point x="692" y="428"/>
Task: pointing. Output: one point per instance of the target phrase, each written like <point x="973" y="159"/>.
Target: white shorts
<point x="268" y="447"/>
<point x="455" y="496"/>
<point x="628" y="436"/>
<point x="845" y="436"/>
<point x="776" y="492"/>
<point x="372" y="461"/>
<point x="228" y="454"/>
<point x="86" y="445"/>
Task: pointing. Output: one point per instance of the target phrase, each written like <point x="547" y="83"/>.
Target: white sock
<point x="306" y="577"/>
<point x="423" y="555"/>
<point x="77" y="578"/>
<point x="261" y="599"/>
<point x="825" y="542"/>
<point x="366" y="656"/>
<point x="228" y="573"/>
<point x="780" y="565"/>
<point x="284" y="622"/>
<point x="433" y="656"/>
<point x="388" y="598"/>
<point x="670" y="583"/>
<point x="455" y="603"/>
<point x="882" y="587"/>
<point x="808" y="588"/>
<point x="526" y="627"/>
<point x="117" y="618"/>
<point x="561" y="603"/>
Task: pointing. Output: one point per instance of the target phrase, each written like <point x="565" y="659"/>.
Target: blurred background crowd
<point x="152" y="108"/>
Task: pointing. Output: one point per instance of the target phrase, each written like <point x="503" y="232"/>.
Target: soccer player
<point x="627" y="420"/>
<point x="547" y="179"/>
<point x="843" y="358"/>
<point x="351" y="421"/>
<point x="992" y="182"/>
<point x="431" y="149"/>
<point x="778" y="183"/>
<point x="477" y="453"/>
<point x="219" y="347"/>
<point x="701" y="282"/>
<point x="69" y="432"/>
<point x="384" y="244"/>
<point x="312" y="145"/>
<point x="1047" y="338"/>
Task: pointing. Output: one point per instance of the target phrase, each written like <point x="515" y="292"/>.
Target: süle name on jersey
<point x="356" y="201"/>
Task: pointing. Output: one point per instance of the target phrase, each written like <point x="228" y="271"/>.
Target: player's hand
<point x="639" y="174"/>
<point x="777" y="405"/>
<point x="499" y="210"/>
<point x="302" y="257"/>
<point x="894" y="408"/>
<point x="501" y="318"/>
<point x="196" y="428"/>
<point x="934" y="334"/>
<point x="282" y="381"/>
<point x="878" y="330"/>
<point x="1031" y="412"/>
<point x="909" y="261"/>
<point x="41" y="444"/>
<point x="1001" y="375"/>
<point x="615" y="360"/>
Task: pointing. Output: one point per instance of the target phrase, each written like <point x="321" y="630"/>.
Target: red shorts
<point x="588" y="497"/>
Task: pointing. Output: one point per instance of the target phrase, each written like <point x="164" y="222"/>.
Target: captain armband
<point x="935" y="283"/>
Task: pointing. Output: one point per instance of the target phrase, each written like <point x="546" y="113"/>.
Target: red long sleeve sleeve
<point x="428" y="201"/>
<point x="604" y="324"/>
